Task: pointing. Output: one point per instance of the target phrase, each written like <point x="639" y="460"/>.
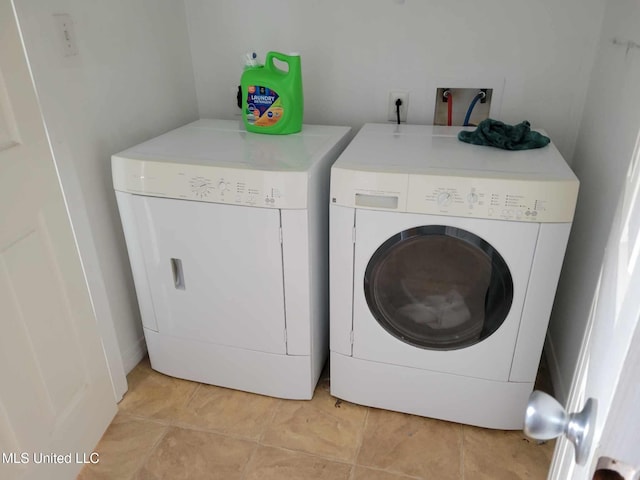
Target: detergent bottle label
<point x="264" y="107"/>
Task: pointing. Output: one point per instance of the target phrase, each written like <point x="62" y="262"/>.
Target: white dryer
<point x="444" y="261"/>
<point x="227" y="237"/>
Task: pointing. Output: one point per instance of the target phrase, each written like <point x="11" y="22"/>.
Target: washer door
<point x="440" y="293"/>
<point x="438" y="287"/>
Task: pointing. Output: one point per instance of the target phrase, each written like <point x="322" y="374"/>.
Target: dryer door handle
<point x="178" y="274"/>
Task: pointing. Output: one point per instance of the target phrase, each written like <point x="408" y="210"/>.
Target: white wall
<point x="607" y="136"/>
<point x="354" y="52"/>
<point x="131" y="80"/>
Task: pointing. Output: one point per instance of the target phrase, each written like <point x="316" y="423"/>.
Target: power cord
<point x="448" y="97"/>
<point x="398" y="103"/>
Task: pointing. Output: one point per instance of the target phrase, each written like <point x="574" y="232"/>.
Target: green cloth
<point x="508" y="137"/>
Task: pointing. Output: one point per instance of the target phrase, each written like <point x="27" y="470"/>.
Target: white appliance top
<point x="428" y="149"/>
<point x="426" y="169"/>
<point x="219" y="161"/>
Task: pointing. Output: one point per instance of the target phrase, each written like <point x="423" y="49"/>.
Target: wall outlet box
<point x="461" y="98"/>
<point x="392" y="110"/>
<point x="67" y="34"/>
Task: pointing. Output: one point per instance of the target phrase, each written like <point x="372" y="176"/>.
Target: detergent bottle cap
<point x="251" y="59"/>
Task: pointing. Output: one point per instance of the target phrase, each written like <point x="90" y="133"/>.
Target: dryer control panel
<point x="218" y="161"/>
<point x="213" y="184"/>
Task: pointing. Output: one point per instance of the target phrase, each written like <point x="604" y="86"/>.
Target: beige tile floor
<point x="168" y="428"/>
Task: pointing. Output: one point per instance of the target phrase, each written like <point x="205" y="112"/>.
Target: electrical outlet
<point x="392" y="114"/>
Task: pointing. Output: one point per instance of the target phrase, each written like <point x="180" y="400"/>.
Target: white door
<point x="609" y="364"/>
<point x="55" y="391"/>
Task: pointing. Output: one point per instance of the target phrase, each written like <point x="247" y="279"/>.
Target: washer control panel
<point x="267" y="189"/>
<point x="520" y="200"/>
<point x="535" y="200"/>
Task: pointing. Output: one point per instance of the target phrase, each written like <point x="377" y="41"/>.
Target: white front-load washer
<point x="227" y="238"/>
<point x="444" y="262"/>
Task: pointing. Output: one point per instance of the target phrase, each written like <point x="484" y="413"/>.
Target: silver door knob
<point x="546" y="419"/>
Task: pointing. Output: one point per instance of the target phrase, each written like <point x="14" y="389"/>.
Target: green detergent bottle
<point x="272" y="98"/>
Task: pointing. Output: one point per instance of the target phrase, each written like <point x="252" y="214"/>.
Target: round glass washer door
<point x="438" y="287"/>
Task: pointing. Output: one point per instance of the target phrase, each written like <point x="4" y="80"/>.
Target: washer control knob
<point x="444" y="198"/>
<point x="472" y="197"/>
<point x="222" y="186"/>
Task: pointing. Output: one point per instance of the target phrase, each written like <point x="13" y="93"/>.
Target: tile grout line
<point x="213" y="431"/>
<point x="244" y="473"/>
<point x="177" y="423"/>
<point x="260" y="439"/>
<point x="168" y="424"/>
<point x="392" y="471"/>
<point x="159" y="421"/>
<point x="150" y="452"/>
<point x="308" y="454"/>
<point x="462" y="447"/>
<point x="352" y="472"/>
<point x="360" y="442"/>
<point x="192" y="396"/>
<point x="173" y="421"/>
<point x="397" y="473"/>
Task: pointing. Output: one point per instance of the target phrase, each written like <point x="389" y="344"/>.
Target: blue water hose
<point x="473" y="104"/>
